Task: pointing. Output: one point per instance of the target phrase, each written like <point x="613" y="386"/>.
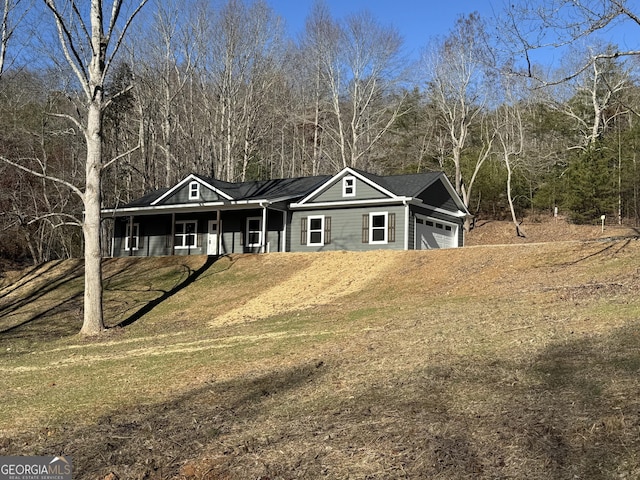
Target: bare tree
<point x="510" y="133"/>
<point x="317" y="56"/>
<point x="592" y="98"/>
<point x="11" y="13"/>
<point x="458" y="87"/>
<point x="532" y="27"/>
<point x="89" y="42"/>
<point x="362" y="67"/>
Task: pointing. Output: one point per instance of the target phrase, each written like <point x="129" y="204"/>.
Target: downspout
<point x="406" y="225"/>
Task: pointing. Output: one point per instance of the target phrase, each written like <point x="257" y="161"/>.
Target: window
<point x="254" y="232"/>
<point x="186" y="234"/>
<point x="378" y="227"/>
<point x="315" y="230"/>
<point x="134" y="239"/>
<point x="349" y="187"/>
<point x="315" y="234"/>
<point x="194" y="191"/>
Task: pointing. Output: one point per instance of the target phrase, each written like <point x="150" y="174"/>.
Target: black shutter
<point x="303" y="231"/>
<point x="365" y="228"/>
<point x="327" y="230"/>
<point x="392" y="227"/>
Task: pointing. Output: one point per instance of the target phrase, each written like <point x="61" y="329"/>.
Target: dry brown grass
<point x="487" y="362"/>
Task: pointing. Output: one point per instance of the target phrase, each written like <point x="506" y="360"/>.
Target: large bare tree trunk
<point x="93" y="322"/>
<point x="91" y="78"/>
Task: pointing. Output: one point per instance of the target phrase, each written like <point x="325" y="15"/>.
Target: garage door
<point x="432" y="233"/>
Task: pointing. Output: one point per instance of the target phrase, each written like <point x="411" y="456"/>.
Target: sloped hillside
<point x="509" y="361"/>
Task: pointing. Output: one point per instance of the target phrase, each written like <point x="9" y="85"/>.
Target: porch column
<point x="284" y="231"/>
<point x="173" y="234"/>
<point x="264" y="229"/>
<point x="219" y="236"/>
<point x="130" y="235"/>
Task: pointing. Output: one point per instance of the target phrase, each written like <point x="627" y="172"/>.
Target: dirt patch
<point x="543" y="229"/>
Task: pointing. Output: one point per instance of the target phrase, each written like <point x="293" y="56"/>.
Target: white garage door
<point x="432" y="233"/>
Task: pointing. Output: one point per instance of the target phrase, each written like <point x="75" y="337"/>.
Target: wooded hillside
<point x="219" y="89"/>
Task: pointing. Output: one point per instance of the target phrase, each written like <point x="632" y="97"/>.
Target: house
<point x="352" y="210"/>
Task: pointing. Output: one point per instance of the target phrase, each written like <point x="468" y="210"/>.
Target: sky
<point x="419" y="21"/>
<point x="416" y="20"/>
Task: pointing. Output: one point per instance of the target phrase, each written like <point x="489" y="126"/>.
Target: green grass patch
<point x="437" y="366"/>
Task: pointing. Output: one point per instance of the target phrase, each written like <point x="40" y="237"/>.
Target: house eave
<point x="184" y="207"/>
<point x="350" y="203"/>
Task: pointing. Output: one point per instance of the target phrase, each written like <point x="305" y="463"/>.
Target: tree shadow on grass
<point x="613" y="247"/>
<point x="192" y="276"/>
<point x="587" y="402"/>
<point x="154" y="441"/>
<point x="29" y="306"/>
<point x="46" y="303"/>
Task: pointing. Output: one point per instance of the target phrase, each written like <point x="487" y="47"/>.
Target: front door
<point x="212" y="241"/>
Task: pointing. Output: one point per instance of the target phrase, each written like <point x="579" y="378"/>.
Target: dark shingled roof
<point x="408" y="185"/>
<point x="402" y="185"/>
<point x="268" y="189"/>
<point x="147" y="199"/>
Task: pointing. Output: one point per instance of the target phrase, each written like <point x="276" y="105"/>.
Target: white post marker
<point x="602" y="218"/>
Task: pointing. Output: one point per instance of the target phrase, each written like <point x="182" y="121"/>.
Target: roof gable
<point x="347" y="188"/>
<point x="364" y="187"/>
<point x="182" y="192"/>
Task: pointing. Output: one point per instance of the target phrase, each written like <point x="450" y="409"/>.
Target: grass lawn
<point x="485" y="362"/>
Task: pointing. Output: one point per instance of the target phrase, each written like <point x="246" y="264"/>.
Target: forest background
<point x="219" y="89"/>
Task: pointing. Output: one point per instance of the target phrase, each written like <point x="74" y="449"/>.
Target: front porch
<point x="198" y="232"/>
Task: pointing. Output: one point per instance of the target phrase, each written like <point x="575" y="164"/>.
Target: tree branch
<point x="118" y="44"/>
<point x="68" y="47"/>
<point x="122" y="155"/>
<point x="71" y="186"/>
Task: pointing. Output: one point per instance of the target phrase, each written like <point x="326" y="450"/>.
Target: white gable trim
<point x="458" y="214"/>
<point x="347" y="171"/>
<point x="452" y="191"/>
<point x="188" y="180"/>
<point x="351" y="203"/>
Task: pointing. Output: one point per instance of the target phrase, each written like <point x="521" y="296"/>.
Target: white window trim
<point x="309" y="230"/>
<point x="352" y="186"/>
<point x="259" y="232"/>
<point x="136" y="236"/>
<point x="184" y="246"/>
<point x="372" y="228"/>
<point x="194" y="193"/>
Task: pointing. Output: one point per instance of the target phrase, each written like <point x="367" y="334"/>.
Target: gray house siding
<point x="347" y="229"/>
<point x="181" y="196"/>
<point x="155" y="235"/>
<point x="334" y="192"/>
<point x="234" y="231"/>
